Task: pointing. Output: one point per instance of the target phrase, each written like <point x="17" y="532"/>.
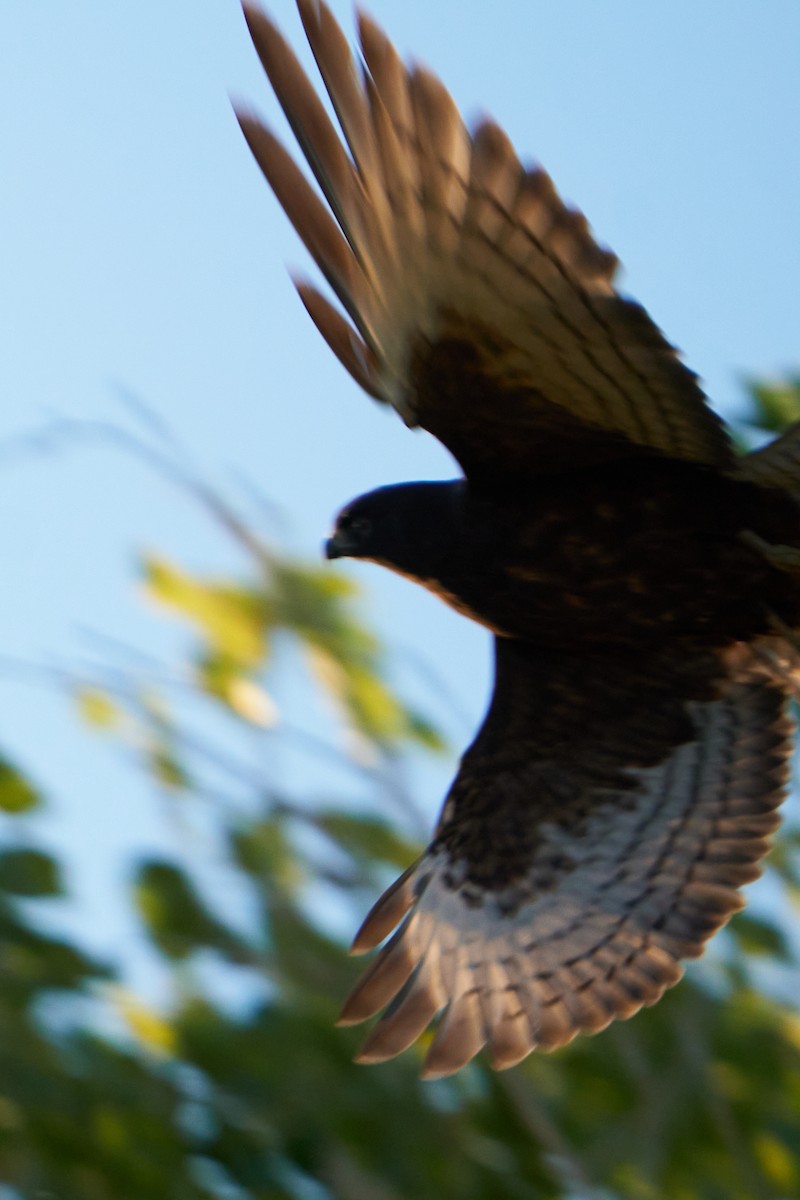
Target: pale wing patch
<point x="647" y="879"/>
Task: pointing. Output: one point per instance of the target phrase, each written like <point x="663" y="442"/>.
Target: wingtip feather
<point x="380" y="983"/>
<point x="387" y="912"/>
<point x="459" y="1036"/>
<point x="404" y="1021"/>
<point x="352" y="351"/>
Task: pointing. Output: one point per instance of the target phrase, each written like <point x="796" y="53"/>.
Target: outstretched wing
<point x="596" y="833"/>
<point x="479" y="305"/>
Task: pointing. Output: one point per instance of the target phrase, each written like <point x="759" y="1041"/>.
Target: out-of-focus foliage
<point x="102" y="1096"/>
<point x="774" y="404"/>
<point x="237" y="625"/>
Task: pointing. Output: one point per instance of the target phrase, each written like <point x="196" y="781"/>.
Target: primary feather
<point x="436" y="234"/>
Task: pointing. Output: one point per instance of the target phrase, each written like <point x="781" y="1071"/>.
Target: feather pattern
<point x="777" y="464"/>
<point x="443" y="235"/>
<point x="608" y="884"/>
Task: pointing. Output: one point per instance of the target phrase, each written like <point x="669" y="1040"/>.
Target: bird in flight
<point x="641" y="580"/>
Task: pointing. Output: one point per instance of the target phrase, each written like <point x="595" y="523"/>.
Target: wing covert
<point x="477" y="303"/>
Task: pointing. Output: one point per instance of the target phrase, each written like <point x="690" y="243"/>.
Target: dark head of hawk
<point x="640" y="581"/>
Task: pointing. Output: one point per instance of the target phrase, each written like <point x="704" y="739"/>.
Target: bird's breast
<point x="621" y="561"/>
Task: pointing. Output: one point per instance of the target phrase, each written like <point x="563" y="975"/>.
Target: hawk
<point x="640" y="580"/>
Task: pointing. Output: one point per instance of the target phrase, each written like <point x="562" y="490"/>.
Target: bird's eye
<point x="359" y="527"/>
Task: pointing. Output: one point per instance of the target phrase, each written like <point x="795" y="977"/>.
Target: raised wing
<point x="479" y="305"/>
<point x="595" y="835"/>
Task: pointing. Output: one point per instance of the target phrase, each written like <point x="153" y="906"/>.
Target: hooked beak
<point x="332" y="549"/>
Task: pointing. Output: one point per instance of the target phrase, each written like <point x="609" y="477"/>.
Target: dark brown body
<point x="621" y="556"/>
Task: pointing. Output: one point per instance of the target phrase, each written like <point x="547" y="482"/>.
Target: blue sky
<point x="141" y="253"/>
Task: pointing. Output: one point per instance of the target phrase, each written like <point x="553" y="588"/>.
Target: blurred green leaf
<point x="315" y="603"/>
<point x="167" y="769"/>
<point x="759" y="937"/>
<point x="157" y="739"/>
<point x="421" y="730"/>
<point x="776" y="404"/>
<point x="150" y="1029"/>
<point x="176" y="918"/>
<point x="97" y="708"/>
<point x="264" y="851"/>
<point x="29" y="873"/>
<point x="16" y="793"/>
<point x="222" y="677"/>
<point x="310" y="963"/>
<point x="232" y="618"/>
<point x="368" y="837"/>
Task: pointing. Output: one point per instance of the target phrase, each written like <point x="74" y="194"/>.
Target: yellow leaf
<point x="778" y="1163"/>
<point x="233" y="619"/>
<point x="252" y="703"/>
<point x="150" y="1029"/>
<point x="96" y="708"/>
